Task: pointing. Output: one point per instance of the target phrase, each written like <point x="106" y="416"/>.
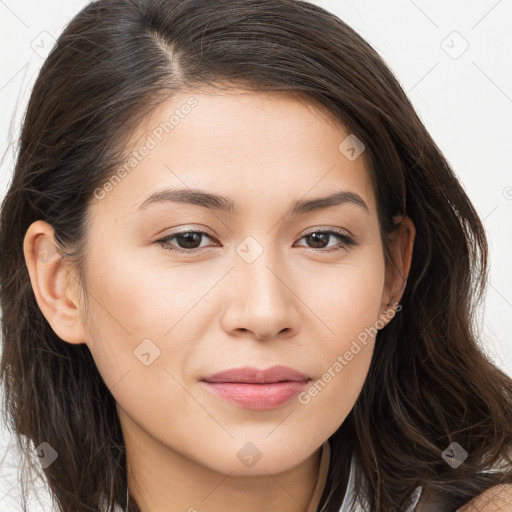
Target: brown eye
<point x="320" y="239"/>
<point x="188" y="240"/>
<point x="185" y="241"/>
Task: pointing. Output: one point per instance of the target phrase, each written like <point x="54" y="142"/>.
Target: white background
<point x="463" y="97"/>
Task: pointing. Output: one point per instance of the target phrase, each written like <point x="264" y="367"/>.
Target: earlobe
<point x="52" y="283"/>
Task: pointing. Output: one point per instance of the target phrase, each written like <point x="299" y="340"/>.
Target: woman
<point x="238" y="273"/>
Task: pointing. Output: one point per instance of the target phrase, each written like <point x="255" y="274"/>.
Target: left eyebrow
<point x="225" y="204"/>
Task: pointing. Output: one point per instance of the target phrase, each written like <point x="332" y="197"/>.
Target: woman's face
<point x="255" y="288"/>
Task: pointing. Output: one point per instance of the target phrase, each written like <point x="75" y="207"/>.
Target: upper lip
<point x="252" y="375"/>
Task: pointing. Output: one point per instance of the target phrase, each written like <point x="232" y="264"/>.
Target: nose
<point x="261" y="300"/>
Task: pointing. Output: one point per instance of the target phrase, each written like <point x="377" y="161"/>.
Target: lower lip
<point x="257" y="396"/>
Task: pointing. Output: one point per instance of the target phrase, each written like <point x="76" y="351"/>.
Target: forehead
<point x="258" y="147"/>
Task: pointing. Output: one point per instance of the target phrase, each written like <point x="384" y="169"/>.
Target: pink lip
<point x="257" y="389"/>
<point x="251" y="375"/>
<point x="257" y="396"/>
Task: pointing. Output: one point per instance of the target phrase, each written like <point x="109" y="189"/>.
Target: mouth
<point x="252" y="388"/>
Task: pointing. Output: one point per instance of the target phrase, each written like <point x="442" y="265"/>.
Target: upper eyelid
<point x="184" y="231"/>
<point x="340" y="231"/>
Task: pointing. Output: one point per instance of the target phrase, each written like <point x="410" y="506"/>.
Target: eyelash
<point x="347" y="240"/>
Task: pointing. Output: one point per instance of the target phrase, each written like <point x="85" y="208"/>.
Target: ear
<point x="397" y="271"/>
<point x="53" y="283"/>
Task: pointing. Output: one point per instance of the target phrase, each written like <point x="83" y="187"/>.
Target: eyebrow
<point x="225" y="204"/>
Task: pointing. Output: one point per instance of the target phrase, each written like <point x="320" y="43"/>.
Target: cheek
<point x="349" y="306"/>
<point x="329" y="399"/>
<point x="130" y="312"/>
<point x="132" y="300"/>
<point x="348" y="297"/>
<point x="141" y="337"/>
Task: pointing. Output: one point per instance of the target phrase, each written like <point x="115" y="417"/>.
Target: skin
<point x="495" y="499"/>
<point x="296" y="304"/>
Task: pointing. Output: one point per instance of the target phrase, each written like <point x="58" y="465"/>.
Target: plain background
<point x="451" y="57"/>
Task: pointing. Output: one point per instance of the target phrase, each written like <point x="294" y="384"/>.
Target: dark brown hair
<point x="429" y="384"/>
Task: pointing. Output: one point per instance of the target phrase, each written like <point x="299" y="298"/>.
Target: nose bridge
<point x="261" y="271"/>
<point x="262" y="301"/>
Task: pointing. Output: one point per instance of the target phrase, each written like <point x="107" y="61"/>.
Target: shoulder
<point x="495" y="499"/>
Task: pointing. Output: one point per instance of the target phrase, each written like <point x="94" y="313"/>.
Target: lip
<point x="253" y="388"/>
<point x="251" y="375"/>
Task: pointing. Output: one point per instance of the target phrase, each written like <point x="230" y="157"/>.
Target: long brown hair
<point x="429" y="384"/>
